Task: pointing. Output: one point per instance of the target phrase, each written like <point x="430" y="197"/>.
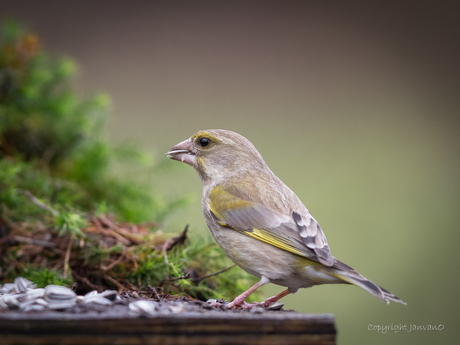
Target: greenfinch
<point x="259" y="223"/>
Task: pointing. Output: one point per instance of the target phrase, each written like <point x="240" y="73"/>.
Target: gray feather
<point x="314" y="237"/>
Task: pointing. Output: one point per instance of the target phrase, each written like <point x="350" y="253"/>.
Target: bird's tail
<point x="349" y="275"/>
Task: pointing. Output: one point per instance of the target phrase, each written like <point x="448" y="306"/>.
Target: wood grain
<point x="188" y="328"/>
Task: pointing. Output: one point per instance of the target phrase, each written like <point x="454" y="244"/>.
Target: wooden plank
<point x="190" y="328"/>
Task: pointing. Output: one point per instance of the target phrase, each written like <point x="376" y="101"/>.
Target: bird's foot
<point x="242" y="305"/>
<point x="269" y="301"/>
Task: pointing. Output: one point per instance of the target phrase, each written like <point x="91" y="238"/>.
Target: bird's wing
<point x="314" y="238"/>
<point x="293" y="233"/>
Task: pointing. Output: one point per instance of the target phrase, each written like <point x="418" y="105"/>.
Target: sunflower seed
<point x="178" y="308"/>
<point x="92" y="293"/>
<point x="3" y="305"/>
<point x="42" y="302"/>
<point x="7" y="288"/>
<point x="97" y="299"/>
<point x="21" y="284"/>
<point x="35" y="307"/>
<point x="60" y="297"/>
<point x="59" y="293"/>
<point x="30" y="295"/>
<point x="10" y="301"/>
<point x="276" y="306"/>
<point x="110" y="294"/>
<point x="26" y="304"/>
<point x="209" y="304"/>
<point x="143" y="307"/>
<point x="61" y="305"/>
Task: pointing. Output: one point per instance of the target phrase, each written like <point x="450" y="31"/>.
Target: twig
<point x="8" y="270"/>
<point x="165" y="246"/>
<point x="122" y="232"/>
<point x="197" y="280"/>
<point x="172" y="241"/>
<point x="185" y="276"/>
<point x="149" y="225"/>
<point x="40" y="204"/>
<point x="136" y="266"/>
<point x="131" y="286"/>
<point x="179" y="239"/>
<point x="35" y="242"/>
<point x="117" y="261"/>
<point x="110" y="279"/>
<point x="110" y="232"/>
<point x="119" y="237"/>
<point x="57" y="266"/>
<point x="154" y="291"/>
<point x="87" y="282"/>
<point x="67" y="256"/>
<point x="106" y="221"/>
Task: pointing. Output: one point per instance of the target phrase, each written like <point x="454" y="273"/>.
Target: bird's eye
<point x="204" y="142"/>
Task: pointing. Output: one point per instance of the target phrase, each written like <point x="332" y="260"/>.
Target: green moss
<point x="44" y="276"/>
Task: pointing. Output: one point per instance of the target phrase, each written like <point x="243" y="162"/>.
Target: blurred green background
<point x="354" y="106"/>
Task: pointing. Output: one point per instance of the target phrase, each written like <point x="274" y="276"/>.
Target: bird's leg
<point x="239" y="301"/>
<point x="269" y="301"/>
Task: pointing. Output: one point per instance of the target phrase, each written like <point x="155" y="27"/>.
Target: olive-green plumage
<point x="261" y="224"/>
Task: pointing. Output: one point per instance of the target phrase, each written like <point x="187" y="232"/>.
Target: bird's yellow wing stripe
<point x="221" y="202"/>
<point x="270" y="238"/>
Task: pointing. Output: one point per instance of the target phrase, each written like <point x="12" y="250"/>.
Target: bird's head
<point x="217" y="152"/>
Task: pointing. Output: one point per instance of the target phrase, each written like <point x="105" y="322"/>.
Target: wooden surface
<point x="190" y="328"/>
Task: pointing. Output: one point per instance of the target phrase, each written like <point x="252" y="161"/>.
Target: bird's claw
<point x="243" y="305"/>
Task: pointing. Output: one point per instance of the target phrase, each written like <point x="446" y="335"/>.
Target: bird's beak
<point x="184" y="152"/>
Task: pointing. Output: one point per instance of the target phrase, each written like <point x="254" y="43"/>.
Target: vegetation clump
<point x="65" y="217"/>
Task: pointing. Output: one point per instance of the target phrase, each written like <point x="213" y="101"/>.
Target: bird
<point x="259" y="222"/>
